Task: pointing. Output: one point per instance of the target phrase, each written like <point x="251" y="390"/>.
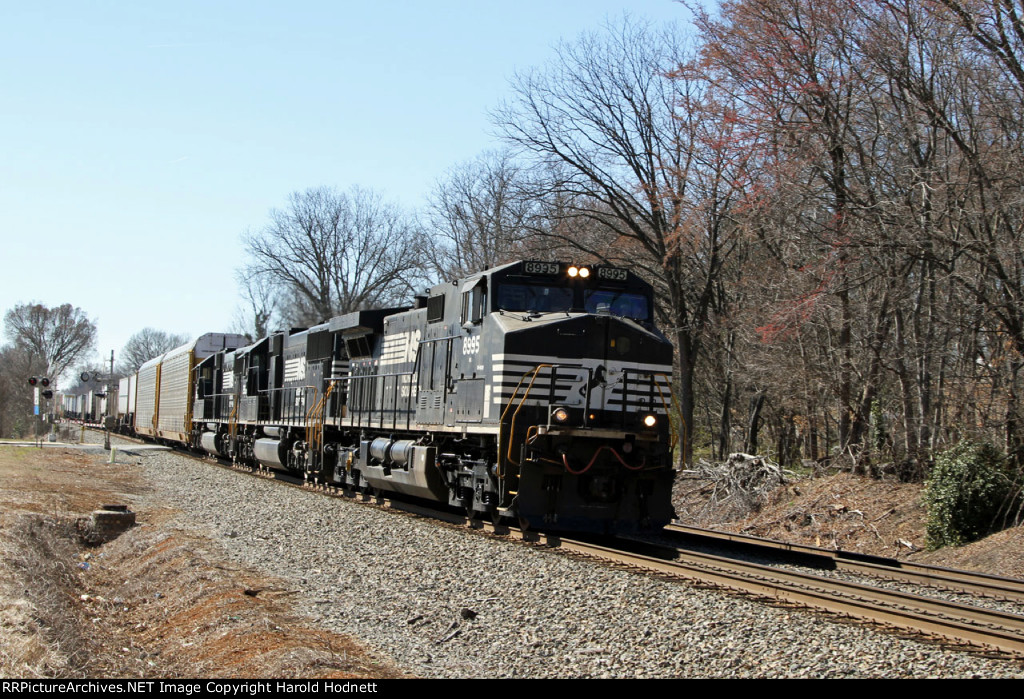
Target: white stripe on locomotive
<point x="510" y="369"/>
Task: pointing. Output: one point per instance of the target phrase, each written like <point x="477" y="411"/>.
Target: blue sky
<point x="139" y="140"/>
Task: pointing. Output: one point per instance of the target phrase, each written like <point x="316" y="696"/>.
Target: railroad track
<point x="956" y="623"/>
<point x="951" y="622"/>
<point x="949" y="579"/>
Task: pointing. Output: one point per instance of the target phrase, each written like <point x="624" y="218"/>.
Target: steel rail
<point x="955" y="622"/>
<point x="950" y="579"/>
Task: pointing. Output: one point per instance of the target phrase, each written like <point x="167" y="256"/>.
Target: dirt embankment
<point x="854" y="513"/>
<point x="155" y="603"/>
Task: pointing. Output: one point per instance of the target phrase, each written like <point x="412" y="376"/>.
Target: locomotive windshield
<point x="618" y="303"/>
<point x="538" y="298"/>
<point x="534" y="298"/>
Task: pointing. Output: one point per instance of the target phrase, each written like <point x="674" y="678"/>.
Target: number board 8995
<point x="612" y="273"/>
<point x="541" y="268"/>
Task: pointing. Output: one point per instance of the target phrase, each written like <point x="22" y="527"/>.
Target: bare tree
<point x="605" y="121"/>
<point x="480" y="216"/>
<point x="334" y="252"/>
<point x="54" y="337"/>
<point x="145" y="345"/>
<point x="261" y="305"/>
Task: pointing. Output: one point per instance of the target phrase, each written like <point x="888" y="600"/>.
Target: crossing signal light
<point x="32" y="381"/>
<point x="44" y="381"/>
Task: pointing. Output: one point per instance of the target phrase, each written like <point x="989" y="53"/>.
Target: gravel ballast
<point x="441" y="602"/>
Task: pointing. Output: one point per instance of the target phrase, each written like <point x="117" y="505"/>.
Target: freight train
<point x="535" y="391"/>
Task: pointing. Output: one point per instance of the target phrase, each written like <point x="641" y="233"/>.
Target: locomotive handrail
<point x="277" y="415"/>
<point x="655" y="385"/>
<point x="439" y="339"/>
<point x="309" y="412"/>
<point x="397" y="374"/>
<point x="233" y="421"/>
<point x="319" y="410"/>
<point x="501" y="421"/>
<point x="311" y="409"/>
<point x="214" y="396"/>
<point x="369" y="376"/>
<point x="664" y="403"/>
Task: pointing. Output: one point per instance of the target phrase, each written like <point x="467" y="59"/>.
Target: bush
<point x="969" y="486"/>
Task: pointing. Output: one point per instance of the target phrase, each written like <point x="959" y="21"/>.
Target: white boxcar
<point x="71" y="404"/>
<point x="122" y="395"/>
<point x="164" y="393"/>
<point x="126" y="401"/>
<point x="147" y="381"/>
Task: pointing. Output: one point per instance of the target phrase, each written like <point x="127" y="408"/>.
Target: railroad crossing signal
<point x="42" y="382"/>
<point x="41" y="386"/>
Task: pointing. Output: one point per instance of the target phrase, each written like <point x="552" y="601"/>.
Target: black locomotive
<point x="538" y="391"/>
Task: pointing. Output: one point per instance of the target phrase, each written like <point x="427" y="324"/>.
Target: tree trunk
<point x="910" y="420"/>
<point x="724" y="425"/>
<point x="684" y="382"/>
<point x="754" y="423"/>
<point x="845" y="371"/>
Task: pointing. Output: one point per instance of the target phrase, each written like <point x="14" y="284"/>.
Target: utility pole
<point x="110" y="392"/>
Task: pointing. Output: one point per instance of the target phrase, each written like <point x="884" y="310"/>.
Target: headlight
<point x="584" y="272"/>
<point x="573" y="271"/>
<point x="560" y="415"/>
<point x="651" y="420"/>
